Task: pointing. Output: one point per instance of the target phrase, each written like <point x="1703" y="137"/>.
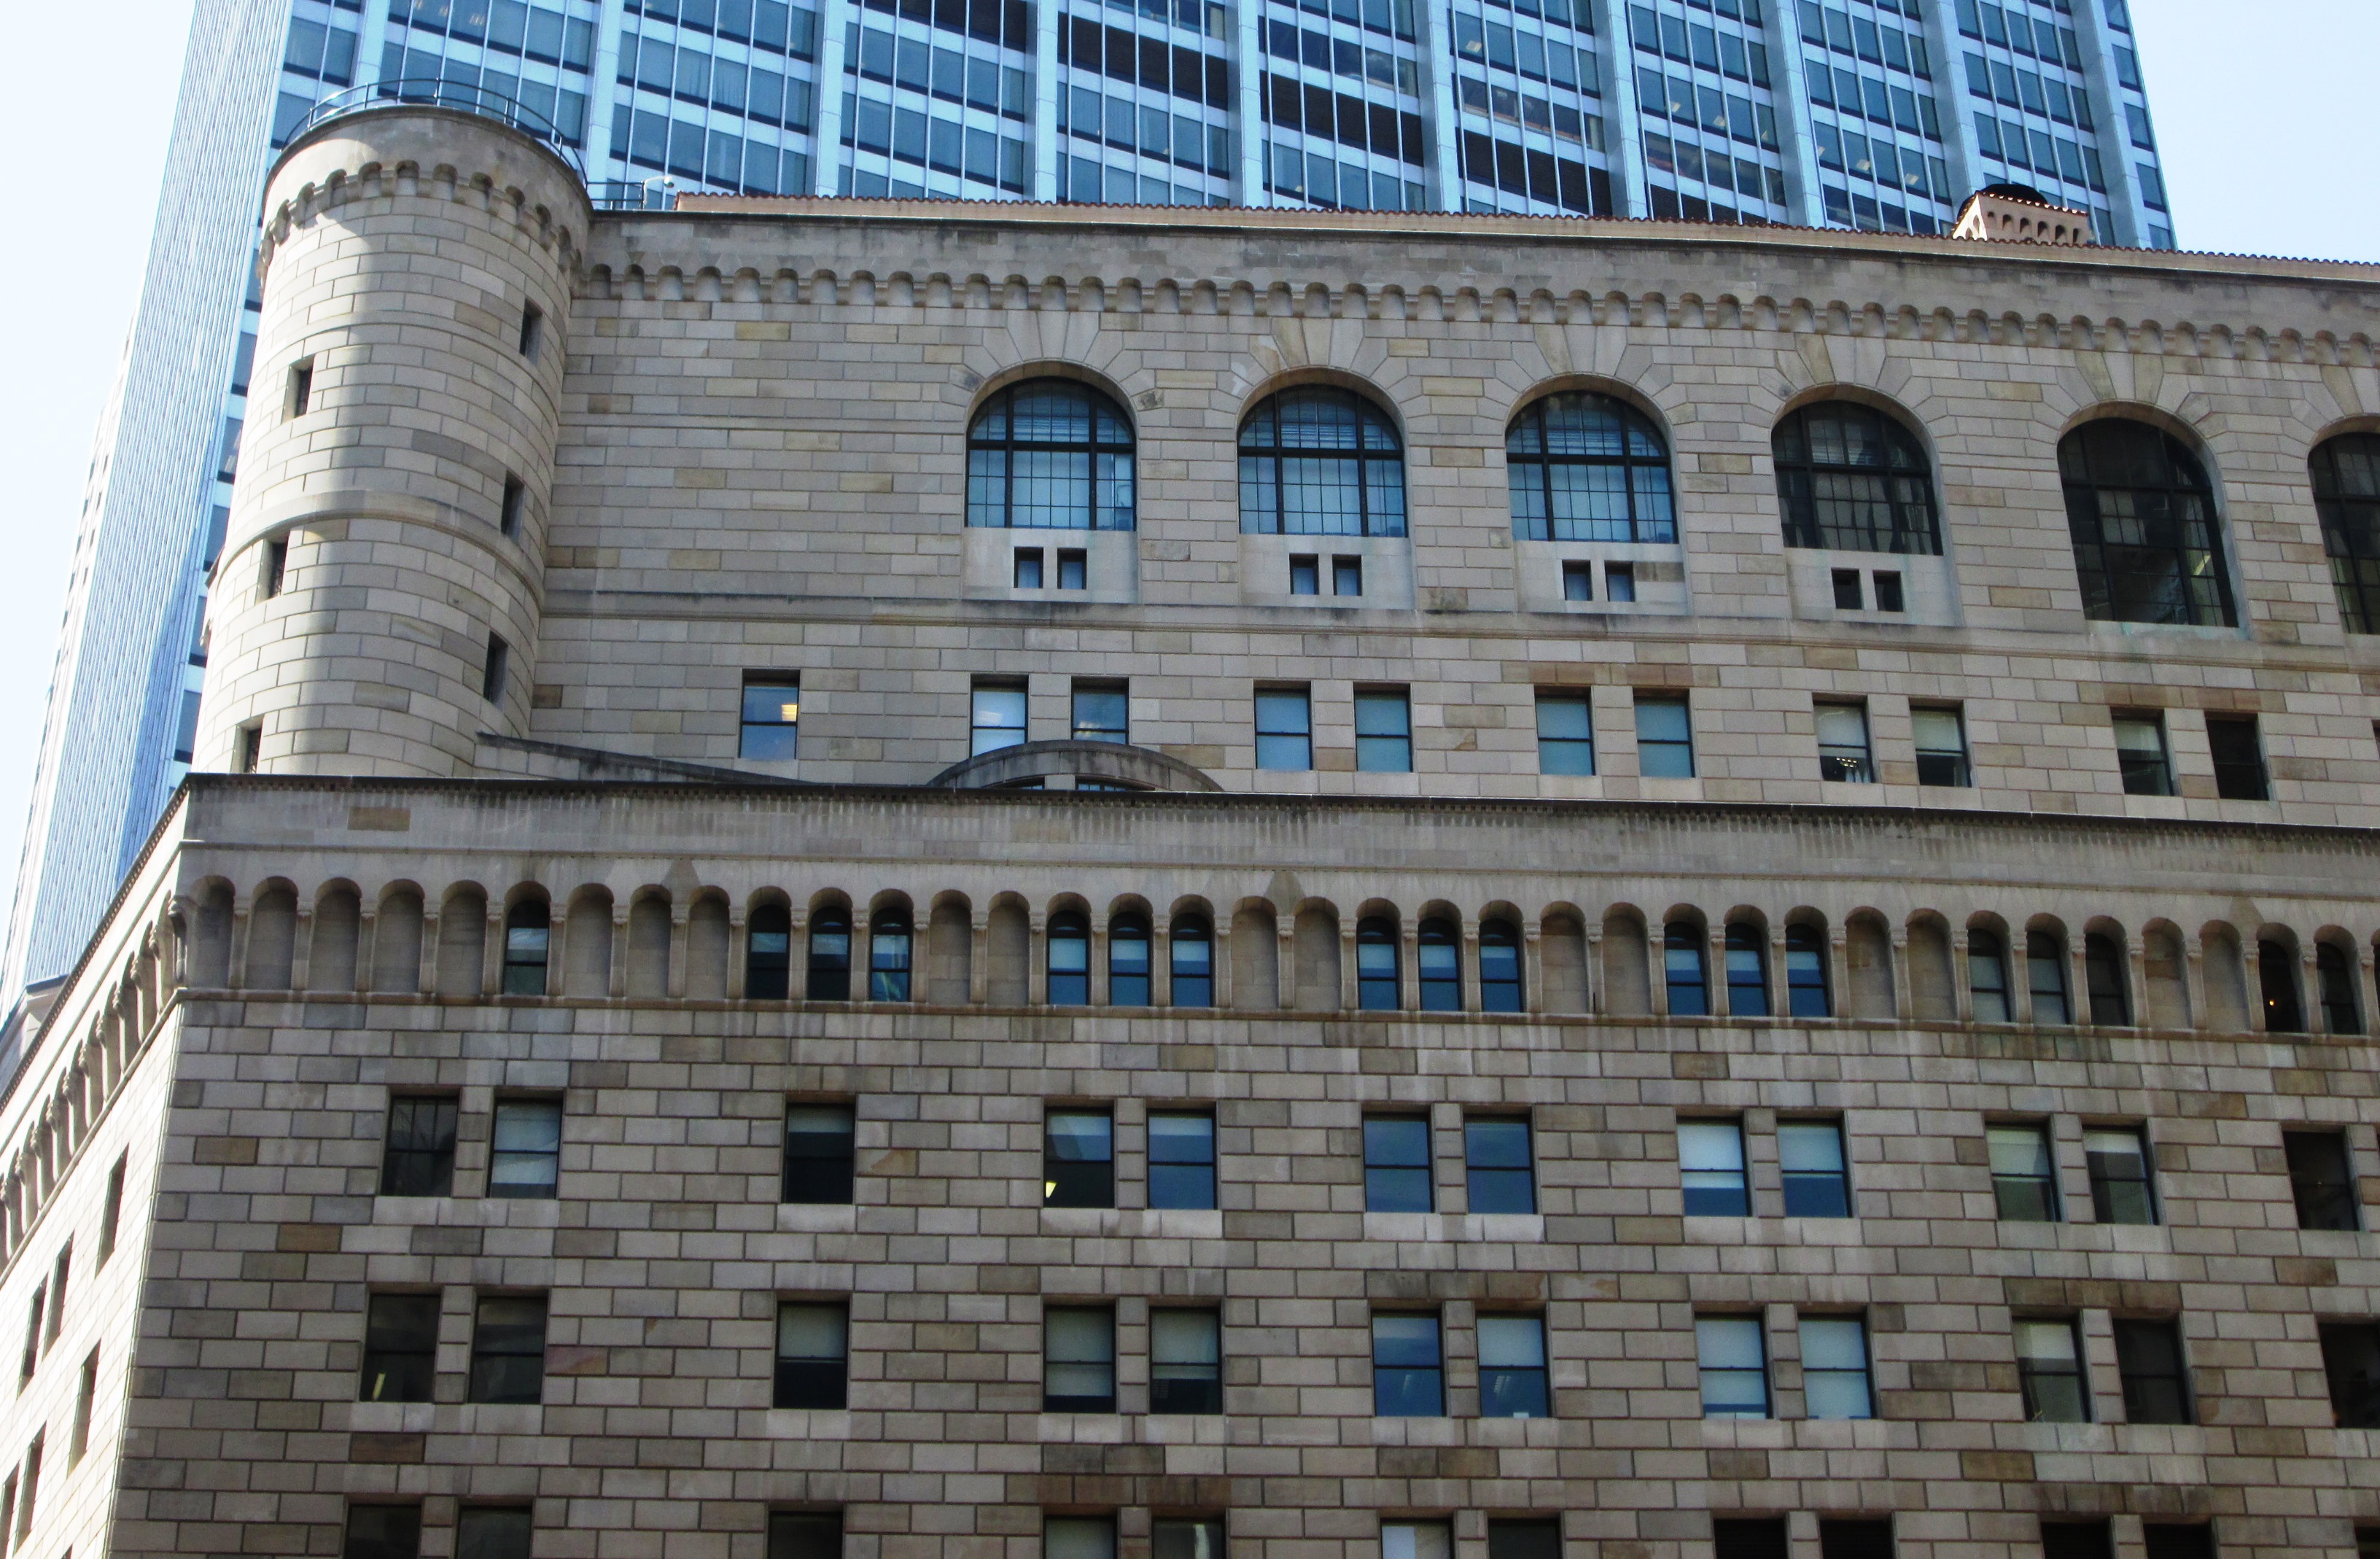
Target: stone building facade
<point x="676" y="1027"/>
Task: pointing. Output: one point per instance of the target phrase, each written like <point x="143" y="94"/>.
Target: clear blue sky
<point x="2264" y="112"/>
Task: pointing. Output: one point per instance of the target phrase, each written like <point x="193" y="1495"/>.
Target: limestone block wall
<point x="417" y="301"/>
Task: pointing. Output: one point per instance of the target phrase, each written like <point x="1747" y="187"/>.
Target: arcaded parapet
<point x="379" y="593"/>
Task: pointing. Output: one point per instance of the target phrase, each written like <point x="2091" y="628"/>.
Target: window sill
<point x="1133" y="1223"/>
<point x="393" y="1418"/>
<point x="817" y="1218"/>
<point x="1485" y="1228"/>
<point x="808" y="1423"/>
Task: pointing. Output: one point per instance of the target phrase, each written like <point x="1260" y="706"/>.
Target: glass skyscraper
<point x="1879" y="115"/>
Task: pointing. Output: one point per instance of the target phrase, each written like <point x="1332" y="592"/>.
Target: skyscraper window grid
<point x="1711" y="136"/>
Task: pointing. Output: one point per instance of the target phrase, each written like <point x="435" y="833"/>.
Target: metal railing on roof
<point x="440" y="93"/>
<point x="658" y="193"/>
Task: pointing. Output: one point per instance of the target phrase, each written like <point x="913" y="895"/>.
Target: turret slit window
<point x="532" y="330"/>
<point x="1191" y="952"/>
<point x="2347" y="496"/>
<point x="1851" y="479"/>
<point x="1941" y="737"/>
<point x="1128" y="983"/>
<point x="276" y="566"/>
<point x="1987" y="983"/>
<point x="418" y="1159"/>
<point x="1747" y="970"/>
<point x="301" y="387"/>
<point x="1500" y="967"/>
<point x="528" y="935"/>
<point x="1805" y="973"/>
<point x="1588" y="467"/>
<point x="1384" y="731"/>
<point x="1375" y="965"/>
<point x="828" y="976"/>
<point x="492" y="675"/>
<point x="997" y="717"/>
<point x="1102" y="711"/>
<point x="2147" y="547"/>
<point x="1050" y="454"/>
<point x="1320" y="461"/>
<point x="2106" y="980"/>
<point x="1070" y="958"/>
<point x="1440" y="951"/>
<point x="1683" y="964"/>
<point x="889" y="943"/>
<point x="2045" y="961"/>
<point x="768" y="952"/>
<point x="2238" y="755"/>
<point x="508" y="512"/>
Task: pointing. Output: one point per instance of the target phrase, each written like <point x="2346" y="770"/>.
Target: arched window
<point x="2336" y="972"/>
<point x="1747" y="971"/>
<point x="2105" y="981"/>
<point x="1440" y="950"/>
<point x="2277" y="971"/>
<point x="1070" y="959"/>
<point x="830" y="968"/>
<point x="1852" y="479"/>
<point x="2044" y="958"/>
<point x="769" y="953"/>
<point x="2143" y="518"/>
<point x="888" y="956"/>
<point x="1052" y="455"/>
<point x="1587" y="468"/>
<point x="1500" y="967"/>
<point x="1376" y="964"/>
<point x="1805" y="973"/>
<point x="1681" y="958"/>
<point x="1192" y="957"/>
<point x="528" y="935"/>
<point x="1987" y="976"/>
<point x="1320" y="461"/>
<point x="2347" y="496"/>
<point x="1128" y="961"/>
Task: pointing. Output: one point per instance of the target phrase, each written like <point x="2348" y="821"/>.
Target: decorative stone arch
<point x="1115" y="763"/>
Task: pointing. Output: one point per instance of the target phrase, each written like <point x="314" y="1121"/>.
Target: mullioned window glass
<point x="1078" y="1537"/>
<point x="1710" y="1169"/>
<point x="1817" y="1180"/>
<point x="1499" y="1169"/>
<point x="1320" y="461"/>
<point x="1835" y="1368"/>
<point x="2142" y="513"/>
<point x="2024" y="1176"/>
<point x="813" y="1355"/>
<point x="771" y="729"/>
<point x="1682" y="964"/>
<point x="2044" y="963"/>
<point x="1408" y="1367"/>
<point x="829" y="975"/>
<point x="1181" y="1159"/>
<point x="1439" y="951"/>
<point x="1500" y="967"/>
<point x="1384" y="733"/>
<point x="1078" y="1159"/>
<point x="1852" y="479"/>
<point x="1284" y="729"/>
<point x="1070" y="958"/>
<point x="528" y="932"/>
<point x="1747" y="971"/>
<point x="889" y="944"/>
<point x="1397" y="1164"/>
<point x="420" y="1158"/>
<point x="1191" y="951"/>
<point x="2121" y="1187"/>
<point x="2347" y="496"/>
<point x="1987" y="978"/>
<point x="1128" y="983"/>
<point x="1565" y="733"/>
<point x="524" y="1155"/>
<point x="1513" y="1383"/>
<point x="1376" y="974"/>
<point x="1587" y="468"/>
<point x="1050" y="454"/>
<point x="1732" y="1356"/>
<point x="2049" y="1372"/>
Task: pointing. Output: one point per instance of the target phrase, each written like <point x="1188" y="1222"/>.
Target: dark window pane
<point x="2076" y="1539"/>
<point x="1524" y="1539"/>
<point x="484" y="1533"/>
<point x="829" y="975"/>
<point x="383" y="1531"/>
<point x="2120" y="1190"/>
<point x="1078" y="1159"/>
<point x="2157" y="1382"/>
<point x="2321" y="1180"/>
<point x="1181" y="1159"/>
<point x="1078" y="1361"/>
<point x="2239" y="758"/>
<point x="2276" y="973"/>
<point x="768" y="951"/>
<point x="813" y="1355"/>
<point x="1408" y="1371"/>
<point x="508" y="1349"/>
<point x="1753" y="1537"/>
<point x="1495" y="1154"/>
<point x="1851" y="478"/>
<point x="2347" y="496"/>
<point x="1855" y="1539"/>
<point x="1397" y="1164"/>
<point x="419" y="1160"/>
<point x="803" y="1534"/>
<point x="818" y="1154"/>
<point x="2350" y="1357"/>
<point x="2162" y="1540"/>
<point x="400" y="1348"/>
<point x="2141" y="516"/>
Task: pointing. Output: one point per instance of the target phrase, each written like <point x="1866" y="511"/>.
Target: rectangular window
<point x="1078" y="1159"/>
<point x="400" y="1348"/>
<point x="1540" y="1538"/>
<point x="1498" y="1165"/>
<point x="374" y="1531"/>
<point x="1888" y="597"/>
<point x="86" y="1389"/>
<point x="1416" y="1539"/>
<point x="1074" y="569"/>
<point x="1185" y="1361"/>
<point x="2350" y="1357"/>
<point x="2024" y="1177"/>
<point x="1941" y="746"/>
<point x="999" y="717"/>
<point x="771" y="731"/>
<point x="2122" y="1190"/>
<point x="58" y="1274"/>
<point x="819" y="1154"/>
<point x="2176" y="1541"/>
<point x="1027" y="575"/>
<point x="111" y="1210"/>
<point x="1833" y="1367"/>
<point x="1710" y="1169"/>
<point x="1513" y="1380"/>
<point x="491" y="676"/>
<point x="494" y="1532"/>
<point x="2322" y="1179"/>
<point x="1578" y="581"/>
<point x="1078" y="1537"/>
<point x="276" y="567"/>
<point x="2157" y="1382"/>
<point x="2049" y="1372"/>
<point x="301" y="387"/>
<point x="806" y="1534"/>
<point x="1185" y="1537"/>
<point x="420" y="1158"/>
<point x="1665" y="738"/>
<point x="1347" y="576"/>
<point x="1849" y="596"/>
<point x="813" y="1355"/>
<point x="1750" y="1538"/>
<point x="1565" y="734"/>
<point x="1396" y="1164"/>
<point x="508" y="512"/>
<point x="1855" y="1539"/>
<point x="1817" y="1182"/>
<point x="1304" y="574"/>
<point x="2141" y="754"/>
<point x="1408" y="1369"/>
<point x="248" y="748"/>
<point x="1078" y="1361"/>
<point x="1620" y="578"/>
<point x="526" y="1156"/>
<point x="1383" y="732"/>
<point x="1733" y="1358"/>
<point x="2239" y="758"/>
<point x="1181" y="1159"/>
<point x="1284" y="729"/>
<point x="1102" y="711"/>
<point x="8" y="1510"/>
<point x="1842" y="744"/>
<point x="31" y="1358"/>
<point x="508" y="1349"/>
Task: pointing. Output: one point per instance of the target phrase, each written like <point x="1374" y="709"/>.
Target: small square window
<point x="2239" y="758"/>
<point x="525" y="1157"/>
<point x="1074" y="569"/>
<point x="1028" y="568"/>
<point x="1304" y="574"/>
<point x="2076" y="1539"/>
<point x="1619" y="582"/>
<point x="1078" y="1537"/>
<point x="2140" y="755"/>
<point x="1848" y="595"/>
<point x="1578" y="581"/>
<point x="771" y="727"/>
<point x="1384" y="731"/>
<point x="1346" y="575"/>
<point x="1665" y="741"/>
<point x="1732" y="1355"/>
<point x="1858" y="1538"/>
<point x="1185" y="1537"/>
<point x="532" y="330"/>
<point x="508" y="1349"/>
<point x="276" y="567"/>
<point x="301" y="387"/>
<point x="1888" y="591"/>
<point x="1565" y="734"/>
<point x="1284" y="729"/>
<point x="1941" y="747"/>
<point x="2180" y="1540"/>
<point x="1078" y="1159"/>
<point x="813" y="1355"/>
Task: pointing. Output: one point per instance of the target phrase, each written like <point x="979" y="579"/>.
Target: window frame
<point x="2036" y="1195"/>
<point x="2143" y="772"/>
<point x="2046" y="959"/>
<point x="1725" y="1190"/>
<point x="1489" y="1164"/>
<point x="1206" y="1192"/>
<point x="2357" y="1406"/>
<point x="1096" y="1321"/>
<point x="1746" y="958"/>
<point x="1993" y="957"/>
<point x="1066" y="956"/>
<point x="1501" y="1383"/>
<point x="1822" y="1188"/>
<point x="1197" y="1382"/>
<point x="752" y="736"/>
<point x="1094" y="690"/>
<point x="1838" y="1325"/>
<point x="1272" y="702"/>
<point x="528" y="947"/>
<point x="826" y="1178"/>
<point x="2350" y="528"/>
<point x="1906" y="477"/>
<point x="1839" y="762"/>
<point x="1670" y="748"/>
<point x="2087" y="521"/>
<point x="1091" y="1180"/>
<point x="814" y="1381"/>
<point x="1129" y="986"/>
<point x="2142" y="1402"/>
<point x="1533" y="472"/>
<point x="1265" y="465"/>
<point x="2242" y="773"/>
<point x="1390" y="1170"/>
<point x="1388" y="747"/>
<point x="1392" y="1381"/>
<point x="1809" y="989"/>
<point x="1501" y="944"/>
<point x="406" y="1350"/>
<point x="1733" y="1327"/>
<point x="1567" y="748"/>
<point x="445" y="1121"/>
<point x="1437" y="964"/>
<point x="2107" y="1186"/>
<point x="1107" y="461"/>
<point x="493" y="1380"/>
<point x="525" y="1106"/>
<point x="2034" y="1379"/>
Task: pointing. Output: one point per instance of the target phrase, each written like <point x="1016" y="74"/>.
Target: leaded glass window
<point x="2142" y="514"/>
<point x="1853" y="480"/>
<point x="1320" y="461"/>
<point x="1587" y="468"/>
<point x="1049" y="454"/>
